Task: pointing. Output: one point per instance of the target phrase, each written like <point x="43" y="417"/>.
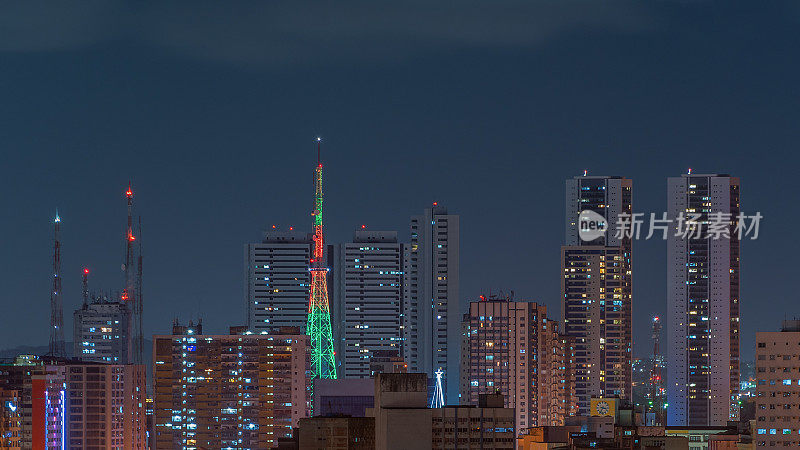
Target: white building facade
<point x="702" y="304"/>
<point x="432" y="313"/>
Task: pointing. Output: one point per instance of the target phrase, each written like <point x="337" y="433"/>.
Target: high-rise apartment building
<point x="778" y="387"/>
<point x="702" y="302"/>
<point x="596" y="288"/>
<point x="41" y="388"/>
<point x="512" y="348"/>
<point x="101" y="331"/>
<point x="368" y="300"/>
<point x="229" y="391"/>
<point x="277" y="280"/>
<point x="106" y="406"/>
<point x="66" y="403"/>
<point x="432" y="314"/>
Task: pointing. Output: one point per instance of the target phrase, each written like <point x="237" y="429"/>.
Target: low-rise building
<point x="337" y="433"/>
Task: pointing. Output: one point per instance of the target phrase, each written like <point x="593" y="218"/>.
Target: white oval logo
<point x="591" y="225"/>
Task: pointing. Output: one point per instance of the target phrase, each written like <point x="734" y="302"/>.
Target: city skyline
<point x="209" y="182"/>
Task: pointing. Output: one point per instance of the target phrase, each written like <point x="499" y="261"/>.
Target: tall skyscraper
<point x="778" y="387"/>
<point x="277" y="280"/>
<point x="229" y="391"/>
<point x="702" y="303"/>
<point x="596" y="288"/>
<point x="512" y="348"/>
<point x="368" y="285"/>
<point x="101" y="331"/>
<point x="432" y="317"/>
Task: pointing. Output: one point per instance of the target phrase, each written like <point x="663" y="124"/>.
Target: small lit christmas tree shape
<point x="319" y="313"/>
<point x="438" y="396"/>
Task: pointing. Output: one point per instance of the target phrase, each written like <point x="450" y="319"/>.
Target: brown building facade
<point x="513" y="349"/>
<point x="236" y="390"/>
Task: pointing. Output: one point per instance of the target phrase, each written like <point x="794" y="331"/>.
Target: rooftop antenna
<point x="56" y="308"/>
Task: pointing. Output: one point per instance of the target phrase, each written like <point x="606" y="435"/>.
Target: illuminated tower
<point x="56" y="313"/>
<point x="319" y="313"/>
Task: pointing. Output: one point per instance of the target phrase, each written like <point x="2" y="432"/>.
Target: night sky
<point x="486" y="107"/>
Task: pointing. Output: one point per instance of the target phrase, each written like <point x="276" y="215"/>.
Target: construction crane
<point x="56" y="307"/>
<point x="319" y="313"/>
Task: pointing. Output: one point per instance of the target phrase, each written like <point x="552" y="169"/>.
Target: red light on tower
<point x="435" y="203"/>
<point x="86" y="271"/>
<point x="363" y="227"/>
<point x="291" y="228"/>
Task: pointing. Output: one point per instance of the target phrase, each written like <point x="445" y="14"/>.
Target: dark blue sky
<point x="485" y="107"/>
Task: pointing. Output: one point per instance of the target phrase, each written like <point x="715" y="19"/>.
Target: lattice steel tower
<point x="319" y="312"/>
<point x="56" y="308"/>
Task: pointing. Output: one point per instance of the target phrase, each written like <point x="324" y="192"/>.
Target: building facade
<point x="513" y="349"/>
<point x="432" y="314"/>
<point x="778" y="387"/>
<point x="277" y="281"/>
<point x="10" y="418"/>
<point x="101" y="332"/>
<point x="105" y="404"/>
<point x="597" y="289"/>
<point x="702" y="302"/>
<point x="236" y="390"/>
<point x="367" y="300"/>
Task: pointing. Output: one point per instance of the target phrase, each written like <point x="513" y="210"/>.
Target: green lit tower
<point x="319" y="311"/>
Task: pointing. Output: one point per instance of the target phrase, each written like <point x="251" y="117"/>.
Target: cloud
<point x="291" y="32"/>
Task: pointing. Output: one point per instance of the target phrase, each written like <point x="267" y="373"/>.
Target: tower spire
<point x="56" y="308"/>
<point x="319" y="314"/>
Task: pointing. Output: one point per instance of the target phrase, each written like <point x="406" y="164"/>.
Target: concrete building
<point x="386" y="361"/>
<point x="343" y="397"/>
<point x="106" y="406"/>
<point x="702" y="303"/>
<point x="337" y="433"/>
<point x="41" y="388"/>
<point x="402" y="418"/>
<point x="432" y="311"/>
<point x="277" y="281"/>
<point x="513" y="349"/>
<point x="403" y="421"/>
<point x="236" y="390"/>
<point x="596" y="288"/>
<point x="89" y="405"/>
<point x="488" y="425"/>
<point x="101" y="331"/>
<point x="367" y="300"/>
<point x="778" y="387"/>
<point x="10" y="418"/>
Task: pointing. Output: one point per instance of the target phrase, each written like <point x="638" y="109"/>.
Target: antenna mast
<point x="319" y="313"/>
<point x="138" y="343"/>
<point x="85" y="286"/>
<point x="129" y="292"/>
<point x="56" y="308"/>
